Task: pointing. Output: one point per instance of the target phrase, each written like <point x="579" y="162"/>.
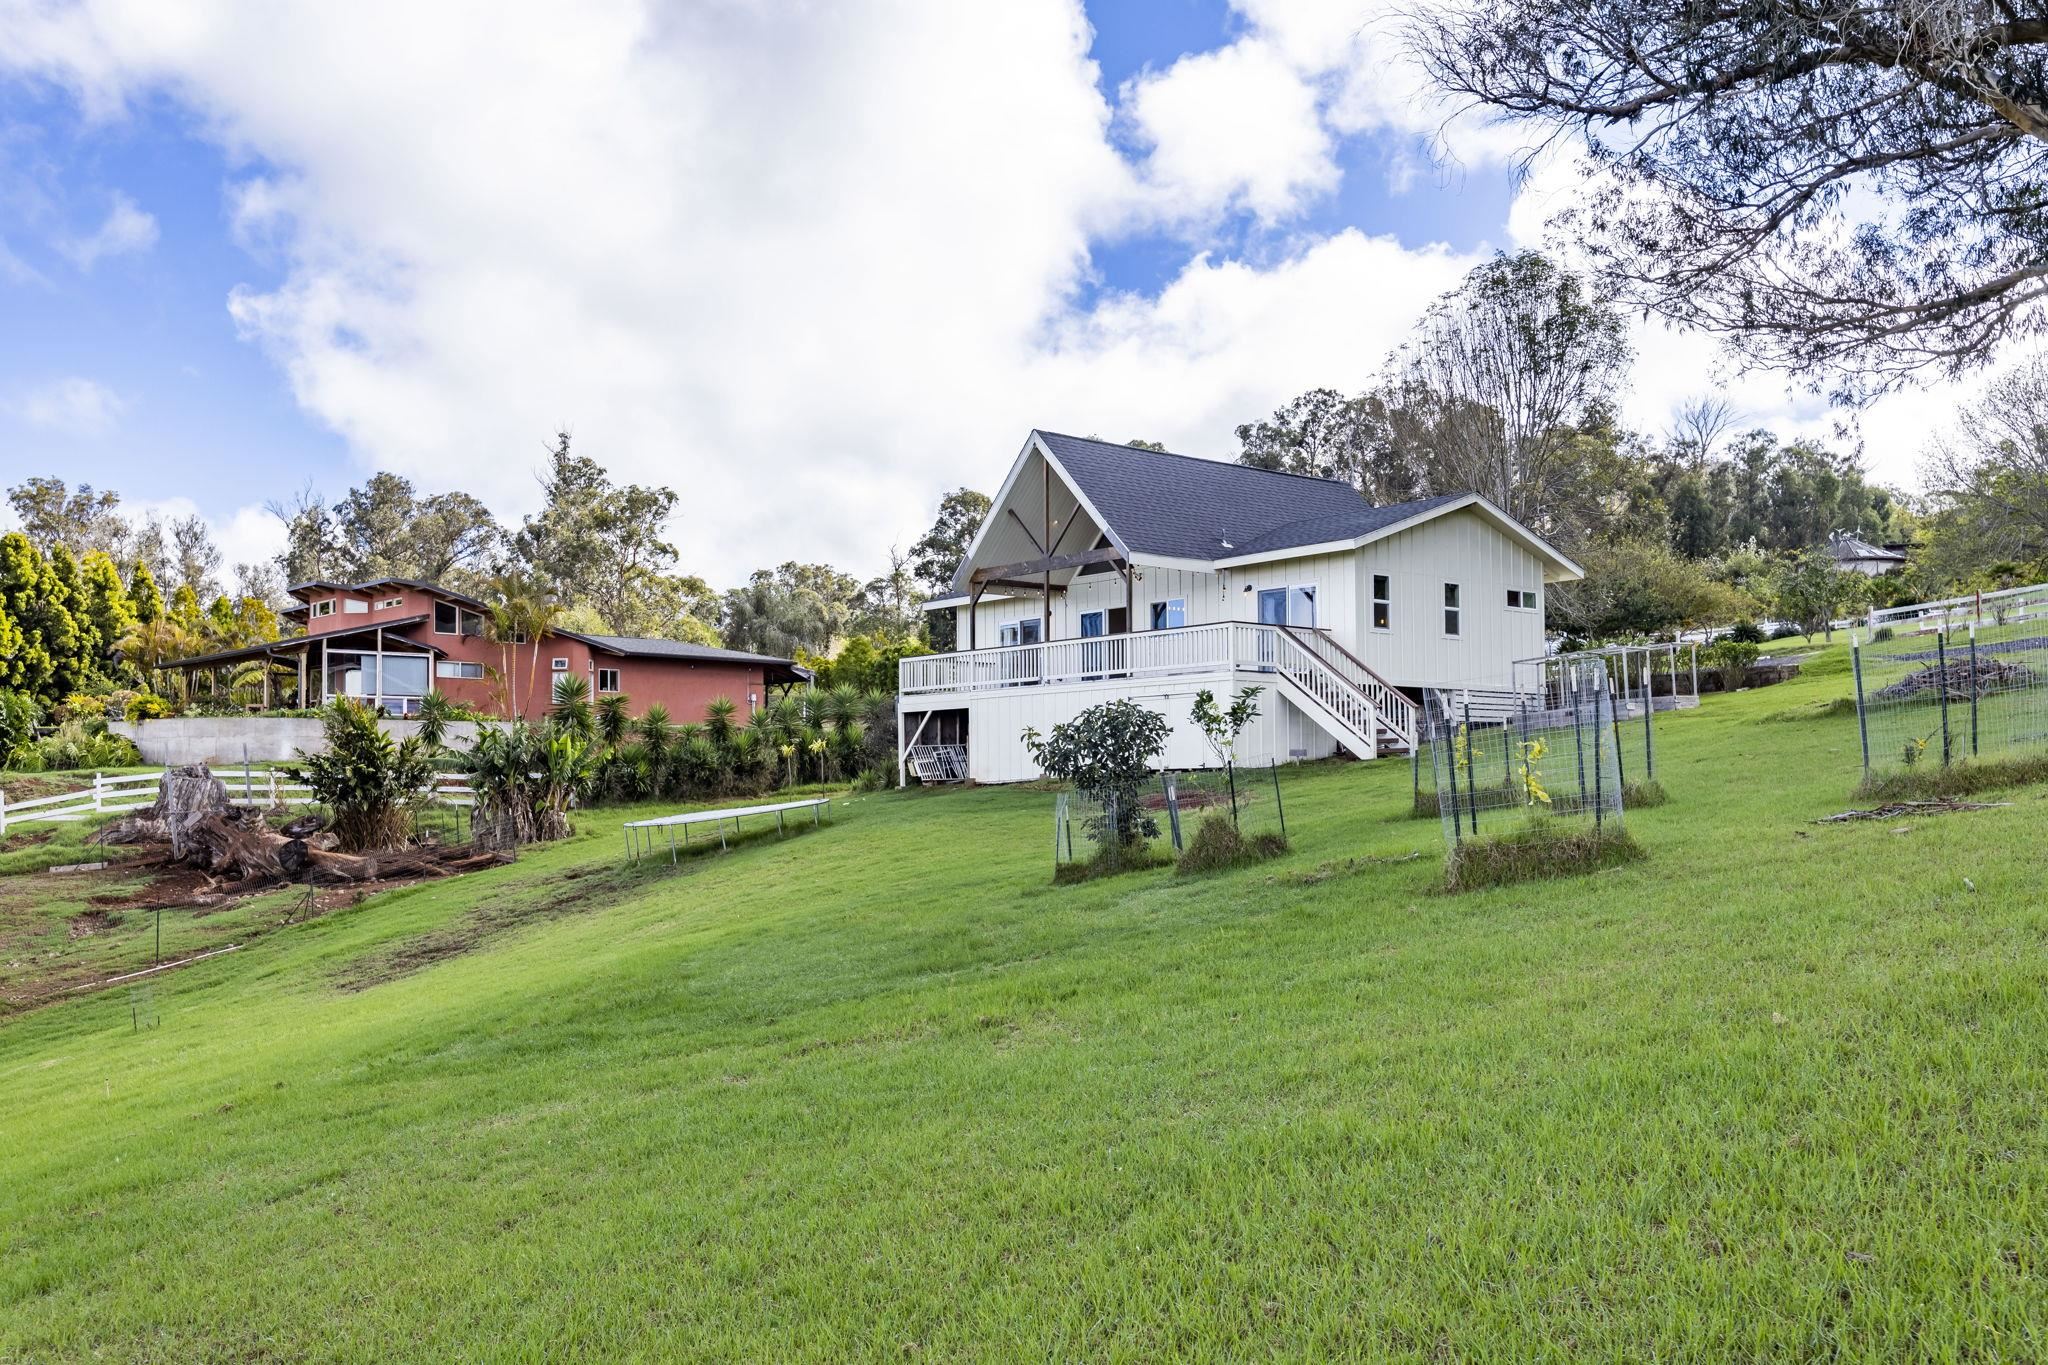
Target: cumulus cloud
<point x="126" y="229"/>
<point x="1237" y="127"/>
<point x="810" y="266"/>
<point x="71" y="406"/>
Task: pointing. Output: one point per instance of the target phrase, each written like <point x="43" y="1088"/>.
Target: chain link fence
<point x="1562" y="760"/>
<point x="1941" y="695"/>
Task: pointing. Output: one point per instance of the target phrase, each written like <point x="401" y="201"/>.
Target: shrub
<point x="1540" y="849"/>
<point x="1731" y="658"/>
<point x="84" y="706"/>
<point x="1788" y="633"/>
<point x="1881" y="634"/>
<point x="147" y="706"/>
<point x="1107" y="752"/>
<point x="83" y="744"/>
<point x="372" y="786"/>
<point x="1219" y="845"/>
<point x="525" y="777"/>
<point x="1111" y="861"/>
<point x="19" y="716"/>
<point x="1925" y="781"/>
<point x="1747" y="632"/>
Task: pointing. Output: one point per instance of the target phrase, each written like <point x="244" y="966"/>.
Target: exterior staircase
<point x="1362" y="711"/>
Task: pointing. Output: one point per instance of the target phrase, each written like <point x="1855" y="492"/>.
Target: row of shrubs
<point x="32" y="740"/>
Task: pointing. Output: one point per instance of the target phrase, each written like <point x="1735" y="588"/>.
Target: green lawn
<point x="881" y="1091"/>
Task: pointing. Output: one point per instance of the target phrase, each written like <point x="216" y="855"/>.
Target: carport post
<point x="671" y="845"/>
<point x="778" y="824"/>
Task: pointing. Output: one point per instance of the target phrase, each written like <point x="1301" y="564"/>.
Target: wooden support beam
<point x="1036" y="543"/>
<point x="1081" y="559"/>
<point x="1024" y="585"/>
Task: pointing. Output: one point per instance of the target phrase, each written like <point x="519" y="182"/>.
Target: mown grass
<point x="882" y="1091"/>
<point x="1536" y="848"/>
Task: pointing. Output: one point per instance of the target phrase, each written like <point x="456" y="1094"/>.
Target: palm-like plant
<point x="572" y="714"/>
<point x="436" y="713"/>
<point x="614" y="721"/>
<point x="657" y="746"/>
<point x="149" y="645"/>
<point x="843" y="704"/>
<point x="718" y="720"/>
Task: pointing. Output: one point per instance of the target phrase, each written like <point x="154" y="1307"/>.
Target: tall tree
<point x="1733" y="144"/>
<point x="386" y="529"/>
<point x="31" y="596"/>
<point x="145" y="598"/>
<point x="1361" y="441"/>
<point x="1991" y="470"/>
<point x="52" y="513"/>
<point x="105" y="601"/>
<point x="936" y="556"/>
<point x="195" y="556"/>
<point x="597" y="541"/>
<point x="781" y="611"/>
<point x="1505" y="371"/>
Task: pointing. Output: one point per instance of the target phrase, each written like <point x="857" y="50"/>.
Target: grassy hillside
<point x="882" y="1091"/>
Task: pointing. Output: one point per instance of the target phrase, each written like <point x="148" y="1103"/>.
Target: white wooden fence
<point x="112" y="794"/>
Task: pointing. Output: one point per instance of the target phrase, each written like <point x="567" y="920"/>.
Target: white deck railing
<point x="1358" y="697"/>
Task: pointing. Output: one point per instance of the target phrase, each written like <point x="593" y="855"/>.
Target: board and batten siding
<point x="997" y="720"/>
<point x="1462" y="548"/>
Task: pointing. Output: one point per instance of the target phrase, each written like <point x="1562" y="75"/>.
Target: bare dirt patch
<point x="512" y="908"/>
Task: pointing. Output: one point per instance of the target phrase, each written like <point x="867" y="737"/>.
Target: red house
<point x="392" y="640"/>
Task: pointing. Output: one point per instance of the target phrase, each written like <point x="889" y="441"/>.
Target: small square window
<point x="325" y="608"/>
<point x="1170" y="614"/>
<point x="387" y="603"/>
<point x="561" y="665"/>
<point x="446" y="617"/>
<point x="607" y="679"/>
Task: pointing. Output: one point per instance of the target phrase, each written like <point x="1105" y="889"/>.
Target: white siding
<point x="1462" y="548"/>
<point x="996" y="722"/>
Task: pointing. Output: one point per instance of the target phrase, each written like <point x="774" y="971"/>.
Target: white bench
<point x="641" y="834"/>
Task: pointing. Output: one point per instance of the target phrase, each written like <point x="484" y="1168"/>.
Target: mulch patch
<point x="1898" y="809"/>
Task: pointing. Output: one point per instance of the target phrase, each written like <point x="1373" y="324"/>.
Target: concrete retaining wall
<point x="229" y="739"/>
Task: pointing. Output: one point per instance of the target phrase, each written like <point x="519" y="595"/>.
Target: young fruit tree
<point x="372" y="785"/>
<point x="1108" y="752"/>
<point x="1221" y="726"/>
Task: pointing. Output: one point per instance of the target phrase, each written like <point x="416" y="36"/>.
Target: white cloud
<point x="245" y="535"/>
<point x="73" y="406"/>
<point x="126" y="229"/>
<point x="1235" y="127"/>
<point x="15" y="270"/>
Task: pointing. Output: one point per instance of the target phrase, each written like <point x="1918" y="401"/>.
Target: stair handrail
<point x="1392" y="703"/>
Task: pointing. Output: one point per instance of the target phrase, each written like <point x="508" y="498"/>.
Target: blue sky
<point x="706" y="277"/>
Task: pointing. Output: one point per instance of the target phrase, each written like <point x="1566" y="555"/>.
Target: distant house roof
<point x="334" y="639"/>
<point x="1848" y="545"/>
<point x="638" y="647"/>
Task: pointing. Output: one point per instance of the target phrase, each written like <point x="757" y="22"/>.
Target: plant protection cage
<point x="1949" y="693"/>
<point x="1170" y="808"/>
<point x="1561" y="761"/>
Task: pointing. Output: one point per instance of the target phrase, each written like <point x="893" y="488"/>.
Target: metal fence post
<point x="1973" y="689"/>
<point x="1471" y="766"/>
<point x="1279" y="806"/>
<point x="1649" y="740"/>
<point x="1862" y="718"/>
<point x="1599" y="796"/>
<point x="1450" y="744"/>
<point x="1230" y="775"/>
<point x="1941" y="655"/>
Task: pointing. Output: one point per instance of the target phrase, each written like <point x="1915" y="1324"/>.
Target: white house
<point x="1857" y="555"/>
<point x="1106" y="570"/>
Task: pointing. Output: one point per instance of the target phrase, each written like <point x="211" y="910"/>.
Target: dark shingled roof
<point x="1190" y="508"/>
<point x="640" y="648"/>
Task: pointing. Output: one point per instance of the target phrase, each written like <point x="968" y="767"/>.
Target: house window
<point x="1288" y="606"/>
<point x="1170" y="614"/>
<point x="561" y="665"/>
<point x="455" y="668"/>
<point x="1450" y="609"/>
<point x="608" y="680"/>
<point x="325" y="608"/>
<point x="1022" y="632"/>
<point x="355" y="606"/>
<point x="1092" y="624"/>
<point x="1382" y="602"/>
<point x="450" y="619"/>
<point x="390" y="602"/>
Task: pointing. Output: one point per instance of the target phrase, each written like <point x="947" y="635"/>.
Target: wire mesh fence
<point x="1559" y="761"/>
<point x="1167" y="811"/>
<point x="1548" y="704"/>
<point x="1939" y="696"/>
